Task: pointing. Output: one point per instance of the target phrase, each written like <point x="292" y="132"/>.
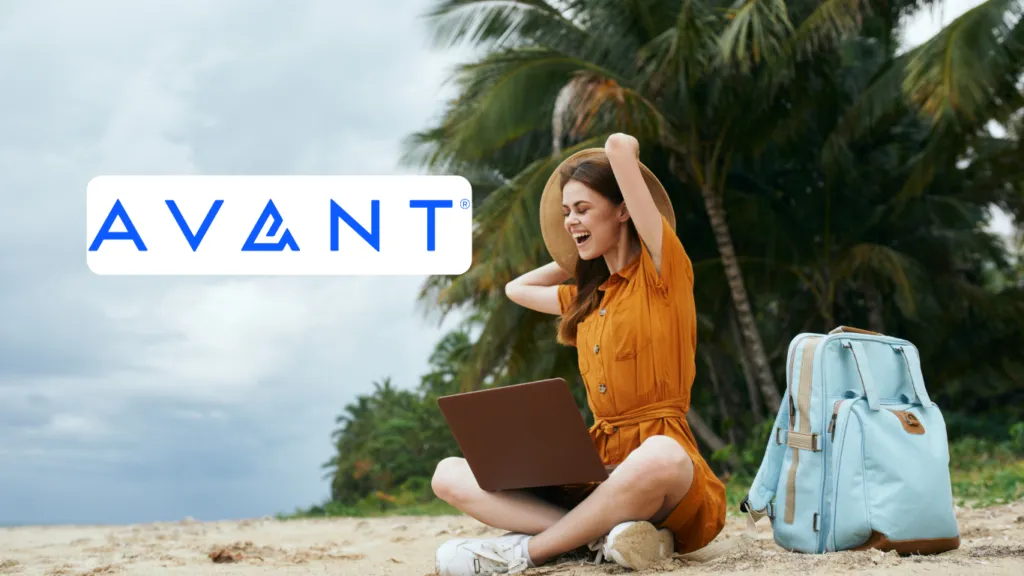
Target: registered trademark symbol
<point x="464" y="203"/>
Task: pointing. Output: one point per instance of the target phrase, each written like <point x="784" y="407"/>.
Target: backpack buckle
<point x="803" y="441"/>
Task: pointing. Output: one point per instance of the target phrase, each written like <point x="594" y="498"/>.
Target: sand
<point x="993" y="544"/>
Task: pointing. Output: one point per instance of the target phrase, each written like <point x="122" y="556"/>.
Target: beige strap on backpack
<point x="852" y="330"/>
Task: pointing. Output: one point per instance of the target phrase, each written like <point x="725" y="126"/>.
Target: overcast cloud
<point x="137" y="399"/>
<point x="141" y="399"/>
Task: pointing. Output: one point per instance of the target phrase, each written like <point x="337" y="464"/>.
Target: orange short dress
<point x="637" y="358"/>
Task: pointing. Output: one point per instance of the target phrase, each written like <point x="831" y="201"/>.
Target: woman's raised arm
<point x="538" y="288"/>
<point x="623" y="155"/>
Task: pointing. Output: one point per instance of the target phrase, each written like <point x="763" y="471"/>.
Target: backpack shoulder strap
<point x="762" y="491"/>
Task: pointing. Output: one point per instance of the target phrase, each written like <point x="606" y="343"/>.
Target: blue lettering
<point x="430" y="205"/>
<point x="269" y="212"/>
<point x="373" y="239"/>
<point x="194" y="239"/>
<point x="254" y="243"/>
<point x="105" y="233"/>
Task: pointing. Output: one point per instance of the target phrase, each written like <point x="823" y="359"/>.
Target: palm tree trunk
<point x="744" y="314"/>
<point x="703" y="431"/>
<point x="748" y="372"/>
<point x="723" y="409"/>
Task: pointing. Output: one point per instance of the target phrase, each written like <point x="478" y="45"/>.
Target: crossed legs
<point x="514" y="511"/>
<point x="647" y="485"/>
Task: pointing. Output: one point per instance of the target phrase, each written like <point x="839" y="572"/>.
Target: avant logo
<point x="279" y="225"/>
<point x="271" y="213"/>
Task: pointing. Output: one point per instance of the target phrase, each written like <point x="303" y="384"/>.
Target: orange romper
<point x="636" y="356"/>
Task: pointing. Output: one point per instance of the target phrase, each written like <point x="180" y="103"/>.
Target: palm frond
<point x="511" y="92"/>
<point x="884" y="262"/>
<point x="963" y="77"/>
<point x="492" y="23"/>
<point x="758" y="32"/>
<point x="682" y="54"/>
<point x="831" y="22"/>
<point x="591" y="104"/>
<point x="882" y="99"/>
<point x="489" y="351"/>
<point x="956" y="76"/>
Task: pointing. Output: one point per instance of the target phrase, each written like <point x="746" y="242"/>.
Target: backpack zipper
<point x="834" y="505"/>
<point x="826" y="465"/>
<point x="832" y="423"/>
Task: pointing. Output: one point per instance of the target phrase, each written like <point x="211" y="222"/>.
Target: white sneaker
<point x="635" y="545"/>
<point x="482" y="556"/>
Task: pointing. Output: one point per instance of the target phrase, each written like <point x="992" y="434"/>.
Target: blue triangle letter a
<point x="270" y="212"/>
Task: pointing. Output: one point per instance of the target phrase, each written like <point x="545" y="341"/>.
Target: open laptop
<point x="523" y="436"/>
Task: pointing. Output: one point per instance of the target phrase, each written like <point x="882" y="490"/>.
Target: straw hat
<point x="559" y="242"/>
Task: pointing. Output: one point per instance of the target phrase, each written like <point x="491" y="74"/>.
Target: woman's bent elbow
<point x="512" y="291"/>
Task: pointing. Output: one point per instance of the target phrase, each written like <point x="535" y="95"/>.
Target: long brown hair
<point x="590" y="274"/>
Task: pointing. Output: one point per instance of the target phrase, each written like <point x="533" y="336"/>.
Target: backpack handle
<point x="851" y="329"/>
<point x="916" y="377"/>
<point x="867" y="381"/>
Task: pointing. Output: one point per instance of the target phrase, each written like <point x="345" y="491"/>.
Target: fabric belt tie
<point x="608" y="425"/>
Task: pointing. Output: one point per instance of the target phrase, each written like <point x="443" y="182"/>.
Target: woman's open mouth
<point x="581" y="237"/>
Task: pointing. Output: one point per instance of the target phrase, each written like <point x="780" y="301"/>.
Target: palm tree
<point x="715" y="93"/>
<point x="679" y="75"/>
<point x="962" y="80"/>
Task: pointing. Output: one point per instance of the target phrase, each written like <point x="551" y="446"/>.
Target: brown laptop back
<point x="523" y="436"/>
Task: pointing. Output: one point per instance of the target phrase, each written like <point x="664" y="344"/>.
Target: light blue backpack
<point x="858" y="457"/>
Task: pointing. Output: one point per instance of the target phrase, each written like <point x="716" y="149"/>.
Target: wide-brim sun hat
<point x="559" y="242"/>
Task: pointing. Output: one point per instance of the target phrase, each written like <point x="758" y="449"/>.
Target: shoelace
<point x="505" y="555"/>
<point x="598" y="546"/>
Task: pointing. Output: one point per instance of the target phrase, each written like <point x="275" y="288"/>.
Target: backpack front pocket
<point x="851" y="519"/>
<point x="892" y="481"/>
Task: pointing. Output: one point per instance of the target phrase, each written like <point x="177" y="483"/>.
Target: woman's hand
<point x="620" y="141"/>
<point x="538" y="288"/>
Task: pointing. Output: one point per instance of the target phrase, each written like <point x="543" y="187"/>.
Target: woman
<point x="630" y="313"/>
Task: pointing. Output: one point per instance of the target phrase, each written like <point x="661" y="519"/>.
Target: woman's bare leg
<point x="648" y="485"/>
<point x="513" y="511"/>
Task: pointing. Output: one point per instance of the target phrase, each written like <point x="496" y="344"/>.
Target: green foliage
<point x="413" y="498"/>
<point x="855" y="182"/>
<point x="391" y="439"/>
<point x="986" y="472"/>
<point x="745" y="459"/>
<point x="1017" y="437"/>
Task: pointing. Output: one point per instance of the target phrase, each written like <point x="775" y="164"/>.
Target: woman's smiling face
<point x="591" y="219"/>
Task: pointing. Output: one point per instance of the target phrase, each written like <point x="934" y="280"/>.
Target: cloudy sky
<point x="139" y="399"/>
<point x="135" y="399"/>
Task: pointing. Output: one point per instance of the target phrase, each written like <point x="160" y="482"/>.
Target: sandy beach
<point x="993" y="544"/>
